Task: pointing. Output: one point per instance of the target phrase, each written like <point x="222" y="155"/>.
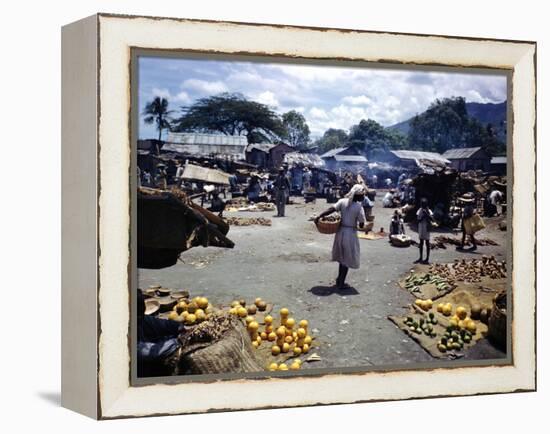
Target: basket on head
<point x="327" y="227"/>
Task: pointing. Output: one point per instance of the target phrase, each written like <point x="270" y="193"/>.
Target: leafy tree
<point x="232" y="114"/>
<point x="296" y="129"/>
<point x="446" y="124"/>
<point x="332" y="138"/>
<point x="370" y="136"/>
<point x="157" y="112"/>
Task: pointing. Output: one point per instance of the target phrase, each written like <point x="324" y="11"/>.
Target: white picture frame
<point x="96" y="213"/>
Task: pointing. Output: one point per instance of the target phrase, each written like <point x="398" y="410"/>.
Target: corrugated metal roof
<point x="351" y="158"/>
<point x="420" y="155"/>
<point x="205" y="174"/>
<point x="459" y="153"/>
<point x="309" y="160"/>
<point x="499" y="160"/>
<point x="333" y="152"/>
<point x="205" y="139"/>
<point x="264" y="147"/>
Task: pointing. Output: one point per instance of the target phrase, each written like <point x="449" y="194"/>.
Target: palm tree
<point x="157" y="112"/>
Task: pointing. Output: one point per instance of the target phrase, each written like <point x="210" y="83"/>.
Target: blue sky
<point x="328" y="96"/>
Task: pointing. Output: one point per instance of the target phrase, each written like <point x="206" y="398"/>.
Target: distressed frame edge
<point x="79" y="218"/>
<point x="529" y="386"/>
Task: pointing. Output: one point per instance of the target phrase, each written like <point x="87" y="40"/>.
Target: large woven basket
<point x="497" y="323"/>
<point x="222" y="346"/>
<point x="327" y="227"/>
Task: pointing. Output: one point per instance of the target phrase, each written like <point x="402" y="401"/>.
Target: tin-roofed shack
<point x="219" y="145"/>
<point x="499" y="165"/>
<point x="408" y="159"/>
<point x="345" y="158"/>
<point x="267" y="155"/>
<point x="464" y="159"/>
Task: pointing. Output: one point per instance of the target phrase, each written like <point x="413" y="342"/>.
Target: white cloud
<point x="183" y="97"/>
<point x="357" y="100"/>
<point x="204" y="87"/>
<point x="161" y="92"/>
<point x="317" y="113"/>
<point x="267" y="98"/>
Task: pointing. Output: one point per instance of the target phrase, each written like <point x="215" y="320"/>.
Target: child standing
<point x="424" y="216"/>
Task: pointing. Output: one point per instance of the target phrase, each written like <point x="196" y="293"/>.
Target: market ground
<point x="288" y="264"/>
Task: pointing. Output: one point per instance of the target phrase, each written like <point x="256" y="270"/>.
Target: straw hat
<point x="467" y="198"/>
<point x="152" y="305"/>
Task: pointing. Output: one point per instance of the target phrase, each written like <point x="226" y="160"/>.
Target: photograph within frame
<point x="136" y="113"/>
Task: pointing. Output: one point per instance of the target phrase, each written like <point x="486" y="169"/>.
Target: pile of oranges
<point x="285" y="335"/>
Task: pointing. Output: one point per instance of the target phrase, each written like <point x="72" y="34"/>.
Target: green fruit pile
<point x="454" y="339"/>
<point x="414" y="281"/>
<point x="424" y="325"/>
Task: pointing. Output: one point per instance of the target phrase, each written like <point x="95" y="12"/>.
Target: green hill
<point x="489" y="113"/>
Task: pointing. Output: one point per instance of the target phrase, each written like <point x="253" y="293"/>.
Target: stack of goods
<point x="474" y="270"/>
<point x="192" y="311"/>
<point x="328" y="224"/>
<point x="414" y="281"/>
<point x="285" y="338"/>
<point x="245" y="221"/>
<point x="441" y="241"/>
<point x="443" y="330"/>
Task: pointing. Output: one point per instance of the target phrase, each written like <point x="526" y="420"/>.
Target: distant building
<point x="267" y="155"/>
<point x="207" y="145"/>
<point x="499" y="165"/>
<point x="409" y="159"/>
<point x="150" y="145"/>
<point x="464" y="159"/>
<point x="349" y="157"/>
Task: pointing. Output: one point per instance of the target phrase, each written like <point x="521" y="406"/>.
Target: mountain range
<point x="486" y="113"/>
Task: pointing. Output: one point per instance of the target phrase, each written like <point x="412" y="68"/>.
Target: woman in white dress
<point x="345" y="249"/>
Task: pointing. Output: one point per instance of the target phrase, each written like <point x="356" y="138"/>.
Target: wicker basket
<point x="328" y="227"/>
<point x="497" y="323"/>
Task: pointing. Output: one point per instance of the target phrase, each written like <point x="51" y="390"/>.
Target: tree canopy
<point x="296" y="129"/>
<point x="157" y="112"/>
<point x="446" y="124"/>
<point x="332" y="138"/>
<point x="232" y="114"/>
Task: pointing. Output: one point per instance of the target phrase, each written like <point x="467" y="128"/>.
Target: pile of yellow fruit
<point x="460" y="320"/>
<point x="239" y="307"/>
<point x="294" y="366"/>
<point x="191" y="311"/>
<point x="425" y="305"/>
<point x="286" y="337"/>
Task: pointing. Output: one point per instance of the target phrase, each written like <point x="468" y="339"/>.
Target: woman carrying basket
<point x="345" y="249"/>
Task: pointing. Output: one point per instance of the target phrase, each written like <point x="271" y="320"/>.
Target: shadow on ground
<point x="329" y="290"/>
<point x="53" y="398"/>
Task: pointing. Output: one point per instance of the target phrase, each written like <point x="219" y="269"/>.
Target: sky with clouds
<point x="328" y="96"/>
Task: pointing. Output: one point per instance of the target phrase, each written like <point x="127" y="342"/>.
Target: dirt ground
<point x="289" y="265"/>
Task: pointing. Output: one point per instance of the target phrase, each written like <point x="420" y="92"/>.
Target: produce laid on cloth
<point x="436" y="280"/>
<point x="256" y="207"/>
<point x="443" y="330"/>
<point x="429" y="285"/>
<point x="441" y="241"/>
<point x="454" y="305"/>
<point x="247" y="221"/>
<point x="278" y="340"/>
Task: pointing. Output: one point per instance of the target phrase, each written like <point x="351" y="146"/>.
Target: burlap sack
<point x="219" y="345"/>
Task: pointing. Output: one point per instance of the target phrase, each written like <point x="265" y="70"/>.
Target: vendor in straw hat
<point x="467" y="201"/>
<point x="345" y="249"/>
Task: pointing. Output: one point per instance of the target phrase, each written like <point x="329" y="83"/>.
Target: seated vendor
<point x="217" y="204"/>
<point x="397" y="226"/>
<point x="157" y="340"/>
